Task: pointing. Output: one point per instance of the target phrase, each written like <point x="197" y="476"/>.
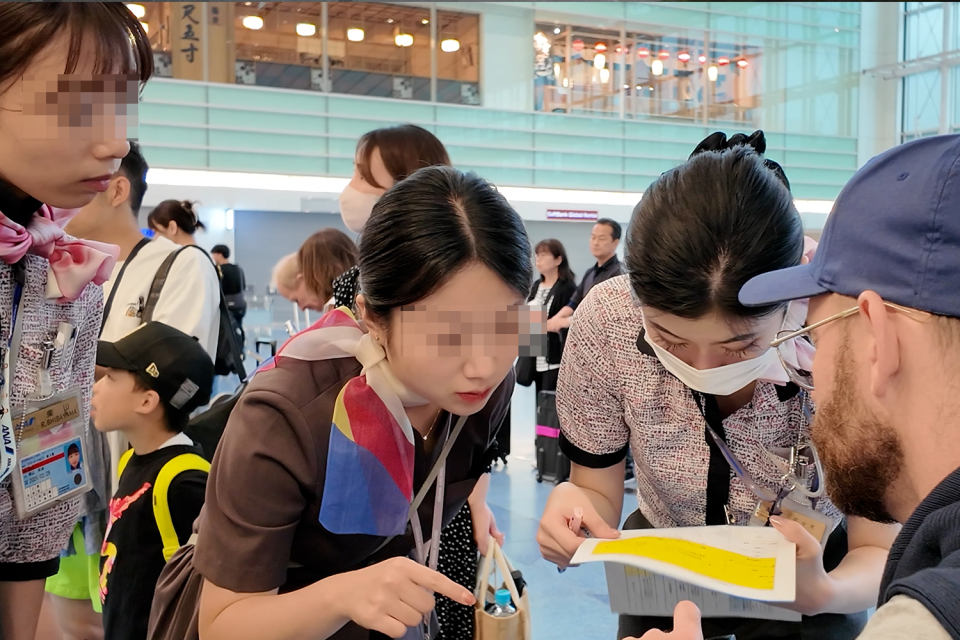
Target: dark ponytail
<point x="182" y="213"/>
<point x="704" y="229"/>
<point x="450" y="219"/>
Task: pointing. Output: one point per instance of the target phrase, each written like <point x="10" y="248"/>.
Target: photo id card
<point x="51" y="454"/>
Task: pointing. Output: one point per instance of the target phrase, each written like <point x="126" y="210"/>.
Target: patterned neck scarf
<point x="368" y="484"/>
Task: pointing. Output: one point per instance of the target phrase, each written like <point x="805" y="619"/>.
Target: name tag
<point x="51" y="454"/>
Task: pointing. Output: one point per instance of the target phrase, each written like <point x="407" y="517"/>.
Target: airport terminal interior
<point x="270" y="132"/>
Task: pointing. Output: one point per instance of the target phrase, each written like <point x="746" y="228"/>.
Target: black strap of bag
<point x="116" y="283"/>
<point x="157" y="288"/>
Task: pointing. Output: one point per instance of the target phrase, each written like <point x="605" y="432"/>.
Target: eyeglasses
<point x="784" y="342"/>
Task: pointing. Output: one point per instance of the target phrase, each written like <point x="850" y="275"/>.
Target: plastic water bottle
<point x="502" y="607"/>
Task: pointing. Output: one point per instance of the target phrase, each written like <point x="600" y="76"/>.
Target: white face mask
<point x="355" y="207"/>
<point x="722" y="381"/>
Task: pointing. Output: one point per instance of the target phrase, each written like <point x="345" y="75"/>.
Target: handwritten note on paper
<point x="725" y="567"/>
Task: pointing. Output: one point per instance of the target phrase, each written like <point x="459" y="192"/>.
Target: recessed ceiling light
<point x="306" y="29"/>
<point x="253" y="22"/>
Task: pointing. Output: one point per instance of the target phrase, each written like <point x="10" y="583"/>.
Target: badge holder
<point x="51" y="454"/>
<point x="797" y="500"/>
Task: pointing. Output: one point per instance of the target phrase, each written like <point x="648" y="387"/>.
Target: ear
<point x="148" y="403"/>
<point x="366" y="320"/>
<point x="173" y="228"/>
<point x="120" y="191"/>
<point x="882" y="342"/>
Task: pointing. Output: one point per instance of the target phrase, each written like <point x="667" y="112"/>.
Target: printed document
<point x="726" y="571"/>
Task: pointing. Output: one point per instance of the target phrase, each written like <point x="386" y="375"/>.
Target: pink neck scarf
<point x="73" y="263"/>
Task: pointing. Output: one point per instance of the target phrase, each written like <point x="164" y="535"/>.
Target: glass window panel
<point x="923" y="30"/>
<point x="578" y="70"/>
<point x="956" y="95"/>
<point x="380" y="50"/>
<point x="458" y="58"/>
<point x="278" y="44"/>
<point x="921" y="102"/>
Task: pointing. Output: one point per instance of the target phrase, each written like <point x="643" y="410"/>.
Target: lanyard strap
<point x="116" y="283"/>
<point x="8" y="444"/>
<point x="431" y="560"/>
<point x="720" y="452"/>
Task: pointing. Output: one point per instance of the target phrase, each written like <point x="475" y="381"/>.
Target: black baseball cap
<point x="169" y="361"/>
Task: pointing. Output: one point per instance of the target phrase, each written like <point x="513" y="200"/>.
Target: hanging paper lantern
<point x="683" y="56"/>
<point x="742" y="63"/>
<point x="702" y="59"/>
<point x="643" y="52"/>
<point x="664" y="54"/>
<point x="600" y="47"/>
<point x="723" y="61"/>
<point x="578" y="45"/>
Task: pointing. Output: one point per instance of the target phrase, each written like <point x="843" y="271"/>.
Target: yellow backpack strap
<point x="124" y="459"/>
<point x="161" y="508"/>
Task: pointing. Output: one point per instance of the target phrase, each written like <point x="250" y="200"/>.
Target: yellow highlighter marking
<point x="719" y="564"/>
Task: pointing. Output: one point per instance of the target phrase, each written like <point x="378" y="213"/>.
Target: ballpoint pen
<point x="576" y="525"/>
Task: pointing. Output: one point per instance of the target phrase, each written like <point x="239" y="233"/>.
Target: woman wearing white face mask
<point x="667" y="362"/>
<point x="384" y="158"/>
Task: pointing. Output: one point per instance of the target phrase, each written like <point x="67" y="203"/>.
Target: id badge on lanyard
<point x="45" y="438"/>
<point x="796" y="499"/>
<point x="428" y="554"/>
<point x="51" y="454"/>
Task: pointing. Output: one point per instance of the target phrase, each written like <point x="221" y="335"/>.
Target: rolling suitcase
<point x="552" y="465"/>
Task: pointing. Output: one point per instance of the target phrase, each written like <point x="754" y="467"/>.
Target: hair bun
<point x="757" y="141"/>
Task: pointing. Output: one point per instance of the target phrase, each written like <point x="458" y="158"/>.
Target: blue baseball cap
<point x="894" y="229"/>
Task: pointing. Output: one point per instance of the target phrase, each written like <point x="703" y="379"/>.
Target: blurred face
<point x="457" y="345"/>
<point x="547" y="263"/>
<point x="711" y="341"/>
<point x="861" y="451"/>
<point x="301" y="295"/>
<point x="602" y="244"/>
<point x="380" y="174"/>
<point x="218" y="258"/>
<point x="102" y="210"/>
<point x="62" y="137"/>
<point x="116" y="403"/>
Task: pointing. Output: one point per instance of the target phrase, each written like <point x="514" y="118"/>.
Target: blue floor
<point x="569" y="605"/>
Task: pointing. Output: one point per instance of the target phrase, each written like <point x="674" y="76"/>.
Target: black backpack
<point x="229" y="354"/>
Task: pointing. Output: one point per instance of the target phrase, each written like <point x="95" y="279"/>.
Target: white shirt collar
<point x="179" y="439"/>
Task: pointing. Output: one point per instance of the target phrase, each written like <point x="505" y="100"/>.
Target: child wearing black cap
<point x="155" y="377"/>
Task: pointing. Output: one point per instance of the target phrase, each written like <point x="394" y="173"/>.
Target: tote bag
<point x="515" y="627"/>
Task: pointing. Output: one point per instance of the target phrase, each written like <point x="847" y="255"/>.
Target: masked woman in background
<point x="666" y="361"/>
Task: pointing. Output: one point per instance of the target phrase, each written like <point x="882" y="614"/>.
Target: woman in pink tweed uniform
<point x="67" y="70"/>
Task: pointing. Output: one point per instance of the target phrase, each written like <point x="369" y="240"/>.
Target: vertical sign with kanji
<point x="188" y="34"/>
<point x="220" y="41"/>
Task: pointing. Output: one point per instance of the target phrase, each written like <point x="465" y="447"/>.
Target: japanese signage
<point x="188" y="33"/>
<point x="202" y="41"/>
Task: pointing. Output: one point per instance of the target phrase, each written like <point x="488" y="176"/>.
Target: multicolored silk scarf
<point x="369" y="478"/>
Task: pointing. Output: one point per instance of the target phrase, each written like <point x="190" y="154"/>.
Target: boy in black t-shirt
<point x="154" y="378"/>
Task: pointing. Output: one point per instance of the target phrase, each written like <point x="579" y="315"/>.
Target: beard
<point x="862" y="454"/>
